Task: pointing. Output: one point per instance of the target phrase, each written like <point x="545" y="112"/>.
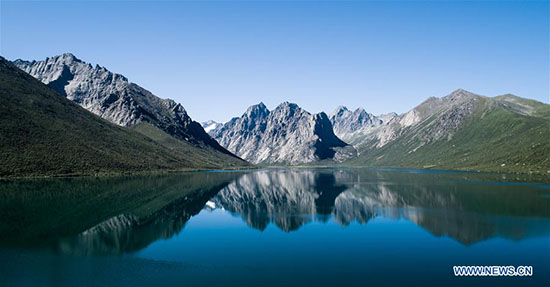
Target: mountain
<point x="286" y="135"/>
<point x="112" y="97"/>
<point x="43" y="133"/>
<point x="463" y="131"/>
<point x="210" y="126"/>
<point x="348" y="124"/>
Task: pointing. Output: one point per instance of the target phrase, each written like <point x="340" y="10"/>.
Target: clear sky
<point x="218" y="58"/>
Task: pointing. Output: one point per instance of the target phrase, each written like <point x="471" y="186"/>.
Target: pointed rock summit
<point x="257" y="111"/>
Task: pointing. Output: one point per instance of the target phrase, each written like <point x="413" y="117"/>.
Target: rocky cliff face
<point x="350" y="124"/>
<point x="432" y="120"/>
<point x="112" y="97"/>
<point x="286" y="135"/>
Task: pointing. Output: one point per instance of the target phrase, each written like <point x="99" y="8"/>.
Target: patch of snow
<point x="210" y="127"/>
<point x="210" y="204"/>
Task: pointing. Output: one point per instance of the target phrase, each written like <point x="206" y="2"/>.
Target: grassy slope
<point x="206" y="156"/>
<point x="42" y="133"/>
<point x="491" y="137"/>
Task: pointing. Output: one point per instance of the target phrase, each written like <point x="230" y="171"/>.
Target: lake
<point x="274" y="227"/>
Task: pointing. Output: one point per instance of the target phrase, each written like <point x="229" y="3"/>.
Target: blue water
<point x="336" y="227"/>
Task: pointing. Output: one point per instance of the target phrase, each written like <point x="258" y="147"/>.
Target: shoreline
<point x="126" y="173"/>
<point x="538" y="174"/>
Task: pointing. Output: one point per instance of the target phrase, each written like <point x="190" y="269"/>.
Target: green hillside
<point x="506" y="133"/>
<point x="42" y="133"/>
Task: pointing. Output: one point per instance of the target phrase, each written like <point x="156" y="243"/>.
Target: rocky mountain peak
<point x="287" y="107"/>
<point x="347" y="124"/>
<point x="340" y="110"/>
<point x="460" y="91"/>
<point x="257" y="111"/>
<point x="460" y="94"/>
<point x="287" y="112"/>
<point x="68" y="58"/>
<point x="112" y="97"/>
<point x="63" y="59"/>
<point x="288" y="134"/>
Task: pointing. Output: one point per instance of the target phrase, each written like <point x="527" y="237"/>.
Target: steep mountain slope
<point x="42" y="133"/>
<point x="113" y="97"/>
<point x="464" y="131"/>
<point x="286" y="135"/>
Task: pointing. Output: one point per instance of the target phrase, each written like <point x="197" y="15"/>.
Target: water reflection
<point x="454" y="205"/>
<point x="287" y="198"/>
<point x="90" y="216"/>
<point x="121" y="215"/>
<point x="130" y="232"/>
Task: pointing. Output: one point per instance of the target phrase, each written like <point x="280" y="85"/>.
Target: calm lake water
<point x="282" y="227"/>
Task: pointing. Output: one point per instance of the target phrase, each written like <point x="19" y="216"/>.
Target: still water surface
<point x="291" y="227"/>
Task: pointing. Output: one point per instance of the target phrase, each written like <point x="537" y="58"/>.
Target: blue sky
<point x="218" y="58"/>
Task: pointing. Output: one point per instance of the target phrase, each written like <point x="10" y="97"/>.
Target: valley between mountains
<point x="63" y="116"/>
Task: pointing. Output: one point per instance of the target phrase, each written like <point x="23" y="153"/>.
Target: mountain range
<point x="286" y="135"/>
<point x="462" y="130"/>
<point x="74" y="118"/>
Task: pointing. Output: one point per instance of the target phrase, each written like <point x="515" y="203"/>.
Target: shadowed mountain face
<point x="112" y="97"/>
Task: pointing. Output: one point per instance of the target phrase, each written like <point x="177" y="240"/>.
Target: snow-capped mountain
<point x="210" y="126"/>
<point x="112" y="97"/>
<point x="286" y="135"/>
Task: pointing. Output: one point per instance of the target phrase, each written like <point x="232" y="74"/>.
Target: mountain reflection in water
<point x="464" y="206"/>
<point x="444" y="204"/>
